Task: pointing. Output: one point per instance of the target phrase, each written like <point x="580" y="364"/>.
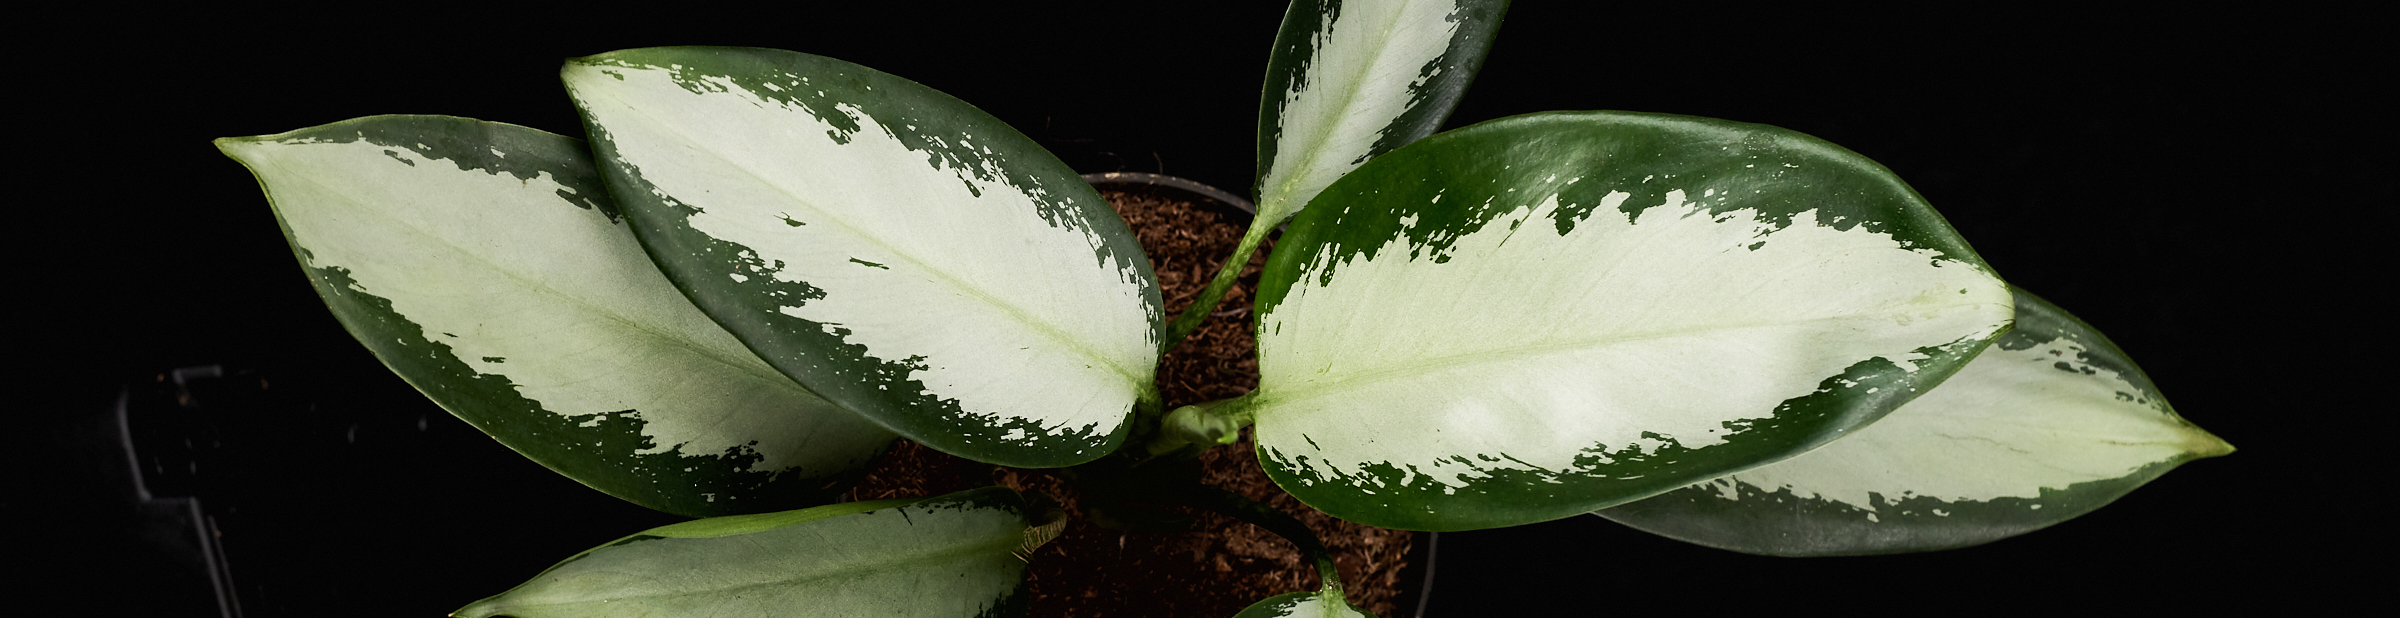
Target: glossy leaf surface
<point x="896" y="250"/>
<point x="937" y="557"/>
<point x="1545" y="315"/>
<point x="486" y="264"/>
<point x="1351" y="80"/>
<point x="1309" y="604"/>
<point x="2050" y="422"/>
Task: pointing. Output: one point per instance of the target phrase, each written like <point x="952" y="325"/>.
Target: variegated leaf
<point x="896" y="250"/>
<point x="932" y="557"/>
<point x="1351" y="80"/>
<point x="1545" y="315"/>
<point x="486" y="264"/>
<point x="2050" y="422"/>
<point x="1309" y="604"/>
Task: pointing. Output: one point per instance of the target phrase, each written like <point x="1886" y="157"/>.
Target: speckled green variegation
<point x="897" y="251"/>
<point x="1308" y="604"/>
<point x="2050" y="422"/>
<point x="1545" y="315"/>
<point x="1348" y="81"/>
<point x="486" y="264"/>
<point x="1352" y="80"/>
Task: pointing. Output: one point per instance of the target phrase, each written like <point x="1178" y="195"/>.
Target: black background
<point x="2208" y="189"/>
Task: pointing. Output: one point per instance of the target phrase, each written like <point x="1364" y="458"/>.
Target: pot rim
<point x="1107" y="179"/>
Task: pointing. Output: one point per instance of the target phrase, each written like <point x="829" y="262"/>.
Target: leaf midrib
<point x="831" y="569"/>
<point x="1316" y="389"/>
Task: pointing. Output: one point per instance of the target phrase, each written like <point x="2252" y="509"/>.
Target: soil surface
<point x="1220" y="566"/>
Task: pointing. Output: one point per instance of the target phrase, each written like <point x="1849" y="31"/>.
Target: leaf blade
<point x="2051" y="422"/>
<point x="1350" y="81"/>
<point x="896" y="250"/>
<point x="484" y="264"/>
<point x="943" y="556"/>
<point x="1499" y="324"/>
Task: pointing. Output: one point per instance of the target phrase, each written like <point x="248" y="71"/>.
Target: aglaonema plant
<point x="760" y="267"/>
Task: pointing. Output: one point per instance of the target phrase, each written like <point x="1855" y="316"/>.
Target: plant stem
<point x="1198" y="312"/>
<point x="1206" y="425"/>
<point x="1252" y="512"/>
<point x="1149" y="412"/>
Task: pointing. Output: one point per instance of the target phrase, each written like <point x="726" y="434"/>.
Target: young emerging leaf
<point x="947" y="557"/>
<point x="1307" y="604"/>
<point x="896" y="250"/>
<point x="1546" y="315"/>
<point x="486" y="265"/>
<point x="1352" y="80"/>
<point x="2047" y="424"/>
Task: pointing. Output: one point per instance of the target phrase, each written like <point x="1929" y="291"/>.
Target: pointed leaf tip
<point x="2050" y="422"/>
<point x="486" y="264"/>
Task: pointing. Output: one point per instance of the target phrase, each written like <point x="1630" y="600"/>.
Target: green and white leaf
<point x="935" y="557"/>
<point x="486" y="264"/>
<point x="897" y="251"/>
<point x="2050" y="422"/>
<point x="1352" y="80"/>
<point x="1308" y="604"/>
<point x="1546" y="315"/>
